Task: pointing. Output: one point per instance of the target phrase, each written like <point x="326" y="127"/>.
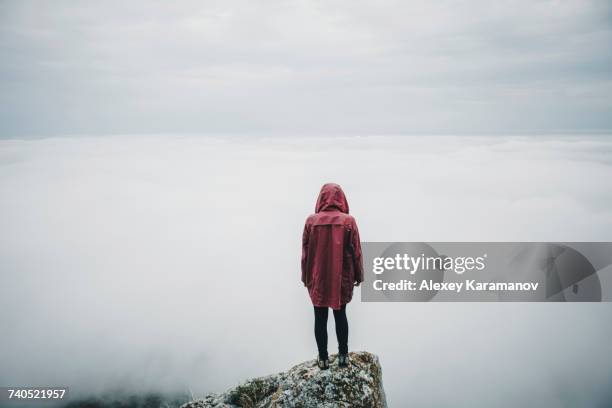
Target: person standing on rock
<point x="331" y="267"/>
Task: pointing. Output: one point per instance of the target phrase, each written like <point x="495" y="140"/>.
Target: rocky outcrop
<point x="305" y="385"/>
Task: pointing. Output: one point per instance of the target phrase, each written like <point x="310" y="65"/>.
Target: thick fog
<point x="172" y="263"/>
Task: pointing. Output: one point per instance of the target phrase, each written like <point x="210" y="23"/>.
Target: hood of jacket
<point x="332" y="197"/>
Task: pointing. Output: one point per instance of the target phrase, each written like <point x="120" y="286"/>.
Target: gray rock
<point x="305" y="385"/>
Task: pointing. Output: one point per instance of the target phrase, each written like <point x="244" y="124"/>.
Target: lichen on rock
<point x="305" y="385"/>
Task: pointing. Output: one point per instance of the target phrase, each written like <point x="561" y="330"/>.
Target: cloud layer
<point x="170" y="262"/>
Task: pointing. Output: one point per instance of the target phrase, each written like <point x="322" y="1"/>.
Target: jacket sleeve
<point x="305" y="239"/>
<point x="357" y="258"/>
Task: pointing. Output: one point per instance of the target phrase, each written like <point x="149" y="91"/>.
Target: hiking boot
<point x="343" y="360"/>
<point x="323" y="364"/>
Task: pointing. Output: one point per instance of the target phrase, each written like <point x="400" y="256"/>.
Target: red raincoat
<point x="331" y="250"/>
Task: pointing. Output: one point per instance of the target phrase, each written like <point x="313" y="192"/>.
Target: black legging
<point x="321" y="330"/>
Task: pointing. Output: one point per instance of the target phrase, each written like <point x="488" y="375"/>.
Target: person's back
<point x="331" y="265"/>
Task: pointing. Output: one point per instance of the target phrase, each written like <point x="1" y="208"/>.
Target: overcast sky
<point x="289" y="67"/>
